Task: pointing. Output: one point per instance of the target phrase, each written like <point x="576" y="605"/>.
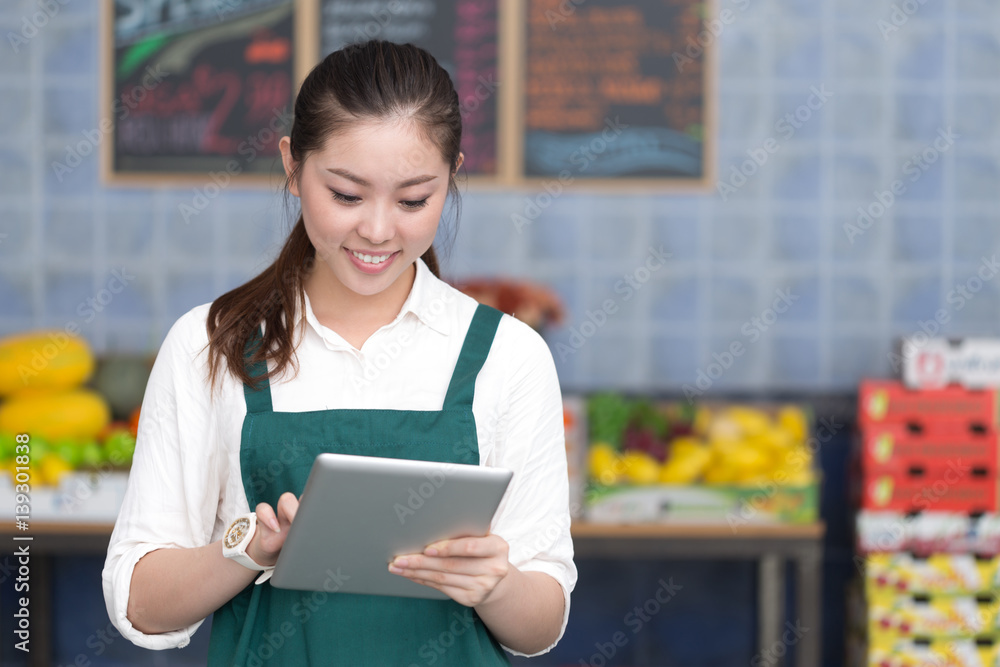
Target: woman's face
<point x="371" y="201"/>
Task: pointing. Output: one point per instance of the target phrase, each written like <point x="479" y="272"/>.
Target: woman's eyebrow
<point x="417" y="180"/>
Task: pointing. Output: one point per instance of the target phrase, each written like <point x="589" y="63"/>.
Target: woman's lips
<point x="371" y="267"/>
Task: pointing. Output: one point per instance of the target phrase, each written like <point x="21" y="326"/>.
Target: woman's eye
<point x="346" y="199"/>
<point x="414" y="203"/>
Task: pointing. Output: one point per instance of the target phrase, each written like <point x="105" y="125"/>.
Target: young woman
<point x="349" y="342"/>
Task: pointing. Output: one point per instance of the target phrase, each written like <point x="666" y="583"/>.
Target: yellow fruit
<point x="641" y="468"/>
<point x="685" y="443"/>
<point x="751" y="421"/>
<point x="77" y="414"/>
<point x="702" y="420"/>
<point x="52" y="468"/>
<point x="605" y="464"/>
<point x="724" y="428"/>
<point x="686" y="468"/>
<point x="718" y="474"/>
<point x="747" y="458"/>
<point x="793" y="419"/>
<point x="778" y="440"/>
<point x="49" y="360"/>
<point x="803" y="477"/>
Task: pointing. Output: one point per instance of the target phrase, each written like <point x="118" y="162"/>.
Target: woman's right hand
<point x="272" y="529"/>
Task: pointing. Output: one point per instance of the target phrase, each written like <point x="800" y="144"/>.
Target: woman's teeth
<point x="372" y="259"/>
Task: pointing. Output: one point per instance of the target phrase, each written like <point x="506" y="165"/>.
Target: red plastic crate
<point x="888" y="401"/>
<point x="958" y="487"/>
<point x="898" y="445"/>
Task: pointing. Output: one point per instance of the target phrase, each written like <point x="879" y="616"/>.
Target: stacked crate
<point x="928" y="528"/>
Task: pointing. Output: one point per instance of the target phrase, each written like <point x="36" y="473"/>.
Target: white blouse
<point x="185" y="485"/>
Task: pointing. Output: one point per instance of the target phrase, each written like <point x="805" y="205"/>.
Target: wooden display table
<point x="771" y="546"/>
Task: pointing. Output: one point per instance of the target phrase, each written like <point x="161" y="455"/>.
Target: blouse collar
<point x="428" y="301"/>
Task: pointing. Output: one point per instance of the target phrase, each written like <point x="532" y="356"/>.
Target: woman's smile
<point x="371" y="262"/>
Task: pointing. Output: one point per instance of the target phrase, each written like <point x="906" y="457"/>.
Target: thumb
<point x="265" y="515"/>
<point x="288" y="506"/>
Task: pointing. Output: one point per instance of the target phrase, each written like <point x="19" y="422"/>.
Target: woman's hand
<point x="272" y="529"/>
<point x="467" y="569"/>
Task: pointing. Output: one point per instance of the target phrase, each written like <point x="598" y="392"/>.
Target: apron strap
<point x="475" y="349"/>
<point x="258" y="400"/>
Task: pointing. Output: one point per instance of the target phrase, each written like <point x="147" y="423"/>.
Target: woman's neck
<point x="355" y="317"/>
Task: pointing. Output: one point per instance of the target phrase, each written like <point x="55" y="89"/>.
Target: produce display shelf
<point x="770" y="545"/>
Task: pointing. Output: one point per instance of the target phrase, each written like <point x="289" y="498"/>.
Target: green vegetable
<point x="608" y="415"/>
<point x="118" y="447"/>
<point x="69" y="451"/>
<point x="647" y="417"/>
<point x="91" y="454"/>
<point x="7" y="445"/>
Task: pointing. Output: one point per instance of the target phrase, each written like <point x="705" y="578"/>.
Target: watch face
<point x="237" y="531"/>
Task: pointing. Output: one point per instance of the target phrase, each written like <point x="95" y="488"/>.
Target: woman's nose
<point x="377" y="225"/>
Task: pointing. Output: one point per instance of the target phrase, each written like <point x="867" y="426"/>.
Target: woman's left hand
<point x="467" y="569"/>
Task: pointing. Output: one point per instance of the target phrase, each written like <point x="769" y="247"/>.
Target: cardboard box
<point x="956" y="488"/>
<point x="888" y="401"/>
<point x="897" y="446"/>
<point x="888" y="575"/>
<point x="733" y="506"/>
<point x="933" y="617"/>
<point x="927" y="532"/>
<point x="971" y="652"/>
<point x="973" y="363"/>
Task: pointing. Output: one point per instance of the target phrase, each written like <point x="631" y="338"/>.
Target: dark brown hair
<point x="373" y="80"/>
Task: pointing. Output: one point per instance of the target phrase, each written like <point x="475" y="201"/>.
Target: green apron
<point x="263" y="625"/>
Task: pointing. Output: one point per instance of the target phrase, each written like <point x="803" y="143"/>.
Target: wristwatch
<point x="236" y="540"/>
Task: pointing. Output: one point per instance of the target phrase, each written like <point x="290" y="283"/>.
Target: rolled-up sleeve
<point x="534" y="518"/>
<point x="174" y="484"/>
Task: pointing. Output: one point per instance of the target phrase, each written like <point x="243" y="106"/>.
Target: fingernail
<point x="394" y="569"/>
<point x="274" y="525"/>
<point x="431" y="551"/>
<point x="399" y="563"/>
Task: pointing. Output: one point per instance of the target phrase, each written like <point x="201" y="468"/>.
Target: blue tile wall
<point x="894" y="92"/>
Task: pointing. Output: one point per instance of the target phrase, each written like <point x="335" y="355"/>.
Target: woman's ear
<point x="285" y="146"/>
<point x="458" y="163"/>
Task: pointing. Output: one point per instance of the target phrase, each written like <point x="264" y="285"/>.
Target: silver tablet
<point x="357" y="513"/>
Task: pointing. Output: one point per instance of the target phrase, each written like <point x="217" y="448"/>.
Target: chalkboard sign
<point x="599" y="92"/>
<point x="617" y="90"/>
<point x="198" y="88"/>
<point x="461" y="34"/>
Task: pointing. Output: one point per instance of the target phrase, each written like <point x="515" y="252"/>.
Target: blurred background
<point x="812" y="264"/>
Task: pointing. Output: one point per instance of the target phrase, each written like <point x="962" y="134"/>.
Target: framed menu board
<point x="598" y="93"/>
<point x="461" y="34"/>
<point x="617" y="90"/>
<point x="193" y="91"/>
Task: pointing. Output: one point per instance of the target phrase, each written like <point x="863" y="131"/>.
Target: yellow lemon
<point x="52" y="468"/>
<point x="804" y="477"/>
<point x="604" y="463"/>
<point x="721" y="475"/>
<point x="747" y="458"/>
<point x="777" y="439"/>
<point x="793" y="419"/>
<point x="683" y="445"/>
<point x="702" y="420"/>
<point x="686" y="469"/>
<point x="641" y="468"/>
<point x="751" y="421"/>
